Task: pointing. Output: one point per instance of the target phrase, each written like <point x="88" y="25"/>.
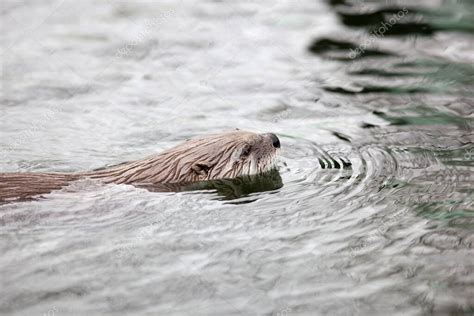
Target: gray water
<point x="375" y="214"/>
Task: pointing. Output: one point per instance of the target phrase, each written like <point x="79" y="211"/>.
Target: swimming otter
<point x="219" y="156"/>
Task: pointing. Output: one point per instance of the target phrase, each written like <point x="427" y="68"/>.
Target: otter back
<point x="22" y="185"/>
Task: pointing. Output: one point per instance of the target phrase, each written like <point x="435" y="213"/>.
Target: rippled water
<point x="375" y="214"/>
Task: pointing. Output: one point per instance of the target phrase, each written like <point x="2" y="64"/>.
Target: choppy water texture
<point x="375" y="213"/>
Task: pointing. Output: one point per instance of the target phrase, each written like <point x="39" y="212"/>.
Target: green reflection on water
<point x="424" y="115"/>
<point x="443" y="213"/>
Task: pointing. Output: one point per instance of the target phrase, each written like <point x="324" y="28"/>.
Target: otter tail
<point x="24" y="186"/>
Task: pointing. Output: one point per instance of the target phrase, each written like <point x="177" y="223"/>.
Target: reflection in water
<point x="340" y="50"/>
<point x="447" y="17"/>
<point x="227" y="189"/>
<point x="370" y="212"/>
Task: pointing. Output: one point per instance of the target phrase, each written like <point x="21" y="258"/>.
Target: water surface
<point x="375" y="214"/>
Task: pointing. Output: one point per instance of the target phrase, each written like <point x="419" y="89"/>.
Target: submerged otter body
<point x="219" y="156"/>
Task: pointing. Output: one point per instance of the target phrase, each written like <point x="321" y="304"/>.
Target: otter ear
<point x="202" y="167"/>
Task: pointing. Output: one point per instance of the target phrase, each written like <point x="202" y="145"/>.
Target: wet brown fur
<point x="218" y="156"/>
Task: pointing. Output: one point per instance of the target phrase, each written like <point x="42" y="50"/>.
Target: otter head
<point x="220" y="156"/>
<point x="232" y="154"/>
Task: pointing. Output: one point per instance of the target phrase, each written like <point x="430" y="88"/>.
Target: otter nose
<point x="275" y="140"/>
